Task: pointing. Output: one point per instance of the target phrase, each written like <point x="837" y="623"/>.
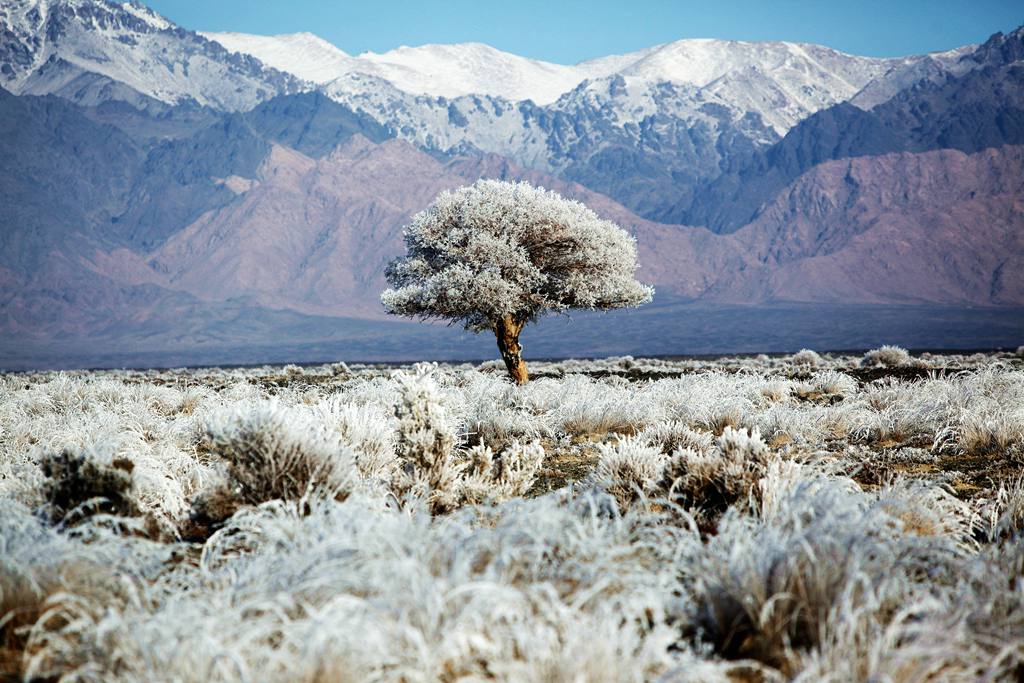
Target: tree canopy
<point x="497" y="250"/>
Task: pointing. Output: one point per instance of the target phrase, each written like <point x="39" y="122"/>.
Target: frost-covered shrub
<point x="629" y="468"/>
<point x="41" y="568"/>
<point x="775" y="588"/>
<point x="367" y="430"/>
<point x="496" y="478"/>
<point x="709" y="481"/>
<point x="83" y="484"/>
<point x="807" y="357"/>
<point x="672" y="436"/>
<point x="974" y="632"/>
<point x="743" y="445"/>
<point x="928" y="510"/>
<point x="497" y="414"/>
<point x="1008" y="518"/>
<point x="292" y="370"/>
<point x="887" y="356"/>
<point x="776" y="391"/>
<point x="426" y="444"/>
<point x="834" y="383"/>
<point x="431" y="468"/>
<point x="275" y="452"/>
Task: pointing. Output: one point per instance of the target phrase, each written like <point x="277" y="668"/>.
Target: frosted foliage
<point x="709" y="480"/>
<point x="629" y="468"/>
<point x="740" y="445"/>
<point x="272" y="452"/>
<point x="433" y="469"/>
<point x="498" y="249"/>
<point x="671" y="436"/>
<point x="367" y="431"/>
<point x="807" y="357"/>
<point x="887" y="356"/>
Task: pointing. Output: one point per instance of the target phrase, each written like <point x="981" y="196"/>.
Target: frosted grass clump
<point x="433" y="469"/>
<point x="707" y="482"/>
<point x="887" y="356"/>
<point x="1007" y="520"/>
<point x="827" y="558"/>
<point x="42" y="567"/>
<point x="275" y="452"/>
<point x="367" y="430"/>
<point x="834" y="383"/>
<point x="629" y="468"/>
<point x="80" y="484"/>
<point x="673" y="436"/>
<point x="501" y="477"/>
<point x="807" y="357"/>
<point x="496" y="414"/>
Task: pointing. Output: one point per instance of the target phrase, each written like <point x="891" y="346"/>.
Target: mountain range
<point x="172" y="196"/>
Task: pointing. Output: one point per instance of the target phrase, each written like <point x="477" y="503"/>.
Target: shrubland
<point x="812" y="517"/>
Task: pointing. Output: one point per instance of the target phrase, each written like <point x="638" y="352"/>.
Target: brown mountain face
<point x="310" y="235"/>
<point x="314" y="236"/>
<point x="939" y="226"/>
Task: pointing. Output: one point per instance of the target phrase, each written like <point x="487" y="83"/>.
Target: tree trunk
<point x="507" y="332"/>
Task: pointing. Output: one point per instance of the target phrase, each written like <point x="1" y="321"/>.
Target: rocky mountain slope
<point x="977" y="106"/>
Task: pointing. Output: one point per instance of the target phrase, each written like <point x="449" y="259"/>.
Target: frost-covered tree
<point x="497" y="255"/>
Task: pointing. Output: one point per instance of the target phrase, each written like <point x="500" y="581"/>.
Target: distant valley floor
<point x="248" y="336"/>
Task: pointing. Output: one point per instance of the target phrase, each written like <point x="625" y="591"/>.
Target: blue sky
<point x="568" y="31"/>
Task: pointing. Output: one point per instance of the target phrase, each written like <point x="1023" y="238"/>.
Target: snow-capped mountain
<point x="448" y="71"/>
<point x="776" y="172"/>
<point x="904" y="73"/>
<point x="91" y="50"/>
<point x="665" y="118"/>
<point x="782" y="82"/>
<point x="648" y="128"/>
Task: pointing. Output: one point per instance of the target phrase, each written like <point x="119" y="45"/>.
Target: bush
<point x="80" y="483"/>
<point x="807" y="357"/>
<point x="887" y="356"/>
<point x="673" y="436"/>
<point x="629" y="468"/>
<point x="708" y="482"/>
<point x="433" y="469"/>
<point x="273" y="452"/>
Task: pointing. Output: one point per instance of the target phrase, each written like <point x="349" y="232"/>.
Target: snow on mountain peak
<point x="804" y="72"/>
<point x="472" y="69"/>
<point x="75" y="48"/>
<point x="305" y="55"/>
<point x="142" y="12"/>
<point x="434" y="69"/>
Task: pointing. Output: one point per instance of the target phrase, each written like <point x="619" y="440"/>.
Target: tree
<point x="497" y="255"/>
